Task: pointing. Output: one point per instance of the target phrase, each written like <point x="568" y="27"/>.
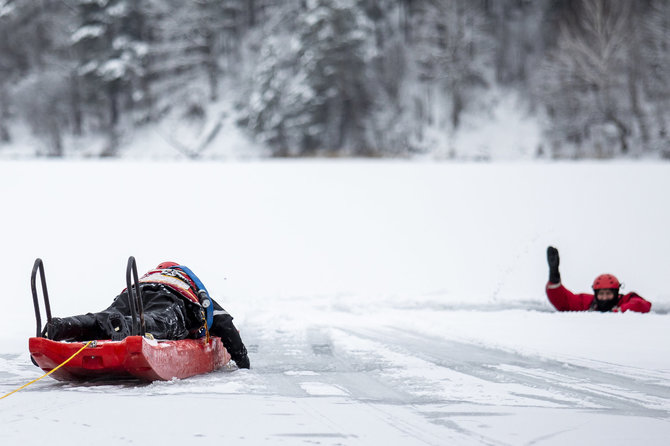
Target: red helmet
<point x="606" y="281"/>
<point x="166" y="265"/>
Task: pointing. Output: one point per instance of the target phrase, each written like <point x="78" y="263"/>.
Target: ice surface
<point x="381" y="302"/>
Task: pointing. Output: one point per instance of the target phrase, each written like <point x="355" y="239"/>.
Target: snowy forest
<point x="337" y="78"/>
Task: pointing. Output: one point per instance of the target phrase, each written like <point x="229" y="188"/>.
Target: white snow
<point x="381" y="302"/>
<point x="88" y="32"/>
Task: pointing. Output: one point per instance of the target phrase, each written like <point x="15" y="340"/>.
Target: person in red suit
<point x="606" y="295"/>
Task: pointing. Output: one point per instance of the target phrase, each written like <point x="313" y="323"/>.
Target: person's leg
<point x="163" y="323"/>
<point x="165" y="317"/>
<point x="83" y="327"/>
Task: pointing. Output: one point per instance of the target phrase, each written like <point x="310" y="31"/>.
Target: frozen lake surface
<point x="381" y="302"/>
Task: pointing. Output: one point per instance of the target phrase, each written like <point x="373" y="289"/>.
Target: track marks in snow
<point x="388" y="365"/>
<point x="507" y="378"/>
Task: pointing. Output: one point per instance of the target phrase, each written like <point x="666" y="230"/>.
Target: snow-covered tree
<point x="195" y="50"/>
<point x="111" y="41"/>
<point x="519" y="37"/>
<point x="276" y="97"/>
<point x="585" y="84"/>
<point x="34" y="58"/>
<point x="310" y="95"/>
<point x="654" y="52"/>
<point x="390" y="120"/>
<point x="333" y="58"/>
<point x="449" y="65"/>
<point x="339" y="77"/>
<point x="8" y="67"/>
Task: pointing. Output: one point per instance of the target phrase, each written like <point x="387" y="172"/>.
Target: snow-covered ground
<point x="382" y="302"/>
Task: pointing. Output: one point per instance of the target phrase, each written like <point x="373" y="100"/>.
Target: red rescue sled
<point x="133" y="357"/>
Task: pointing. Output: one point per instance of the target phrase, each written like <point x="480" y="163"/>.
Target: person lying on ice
<point x="605" y="287"/>
<point x="171" y="311"/>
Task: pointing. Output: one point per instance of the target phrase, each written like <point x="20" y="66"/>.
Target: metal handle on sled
<point x="135" y="298"/>
<point x="39" y="265"/>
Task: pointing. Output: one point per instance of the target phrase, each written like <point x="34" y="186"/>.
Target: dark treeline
<point x="339" y="77"/>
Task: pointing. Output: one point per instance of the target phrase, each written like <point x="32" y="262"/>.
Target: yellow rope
<point x="48" y="373"/>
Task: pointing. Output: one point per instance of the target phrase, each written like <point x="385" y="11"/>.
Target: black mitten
<point x="242" y="362"/>
<point x="553" y="260"/>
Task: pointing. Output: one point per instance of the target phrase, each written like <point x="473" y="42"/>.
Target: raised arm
<point x="553" y="261"/>
<point x="559" y="296"/>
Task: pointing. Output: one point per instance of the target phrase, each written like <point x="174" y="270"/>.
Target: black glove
<point x="242" y="362"/>
<point x="553" y="260"/>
